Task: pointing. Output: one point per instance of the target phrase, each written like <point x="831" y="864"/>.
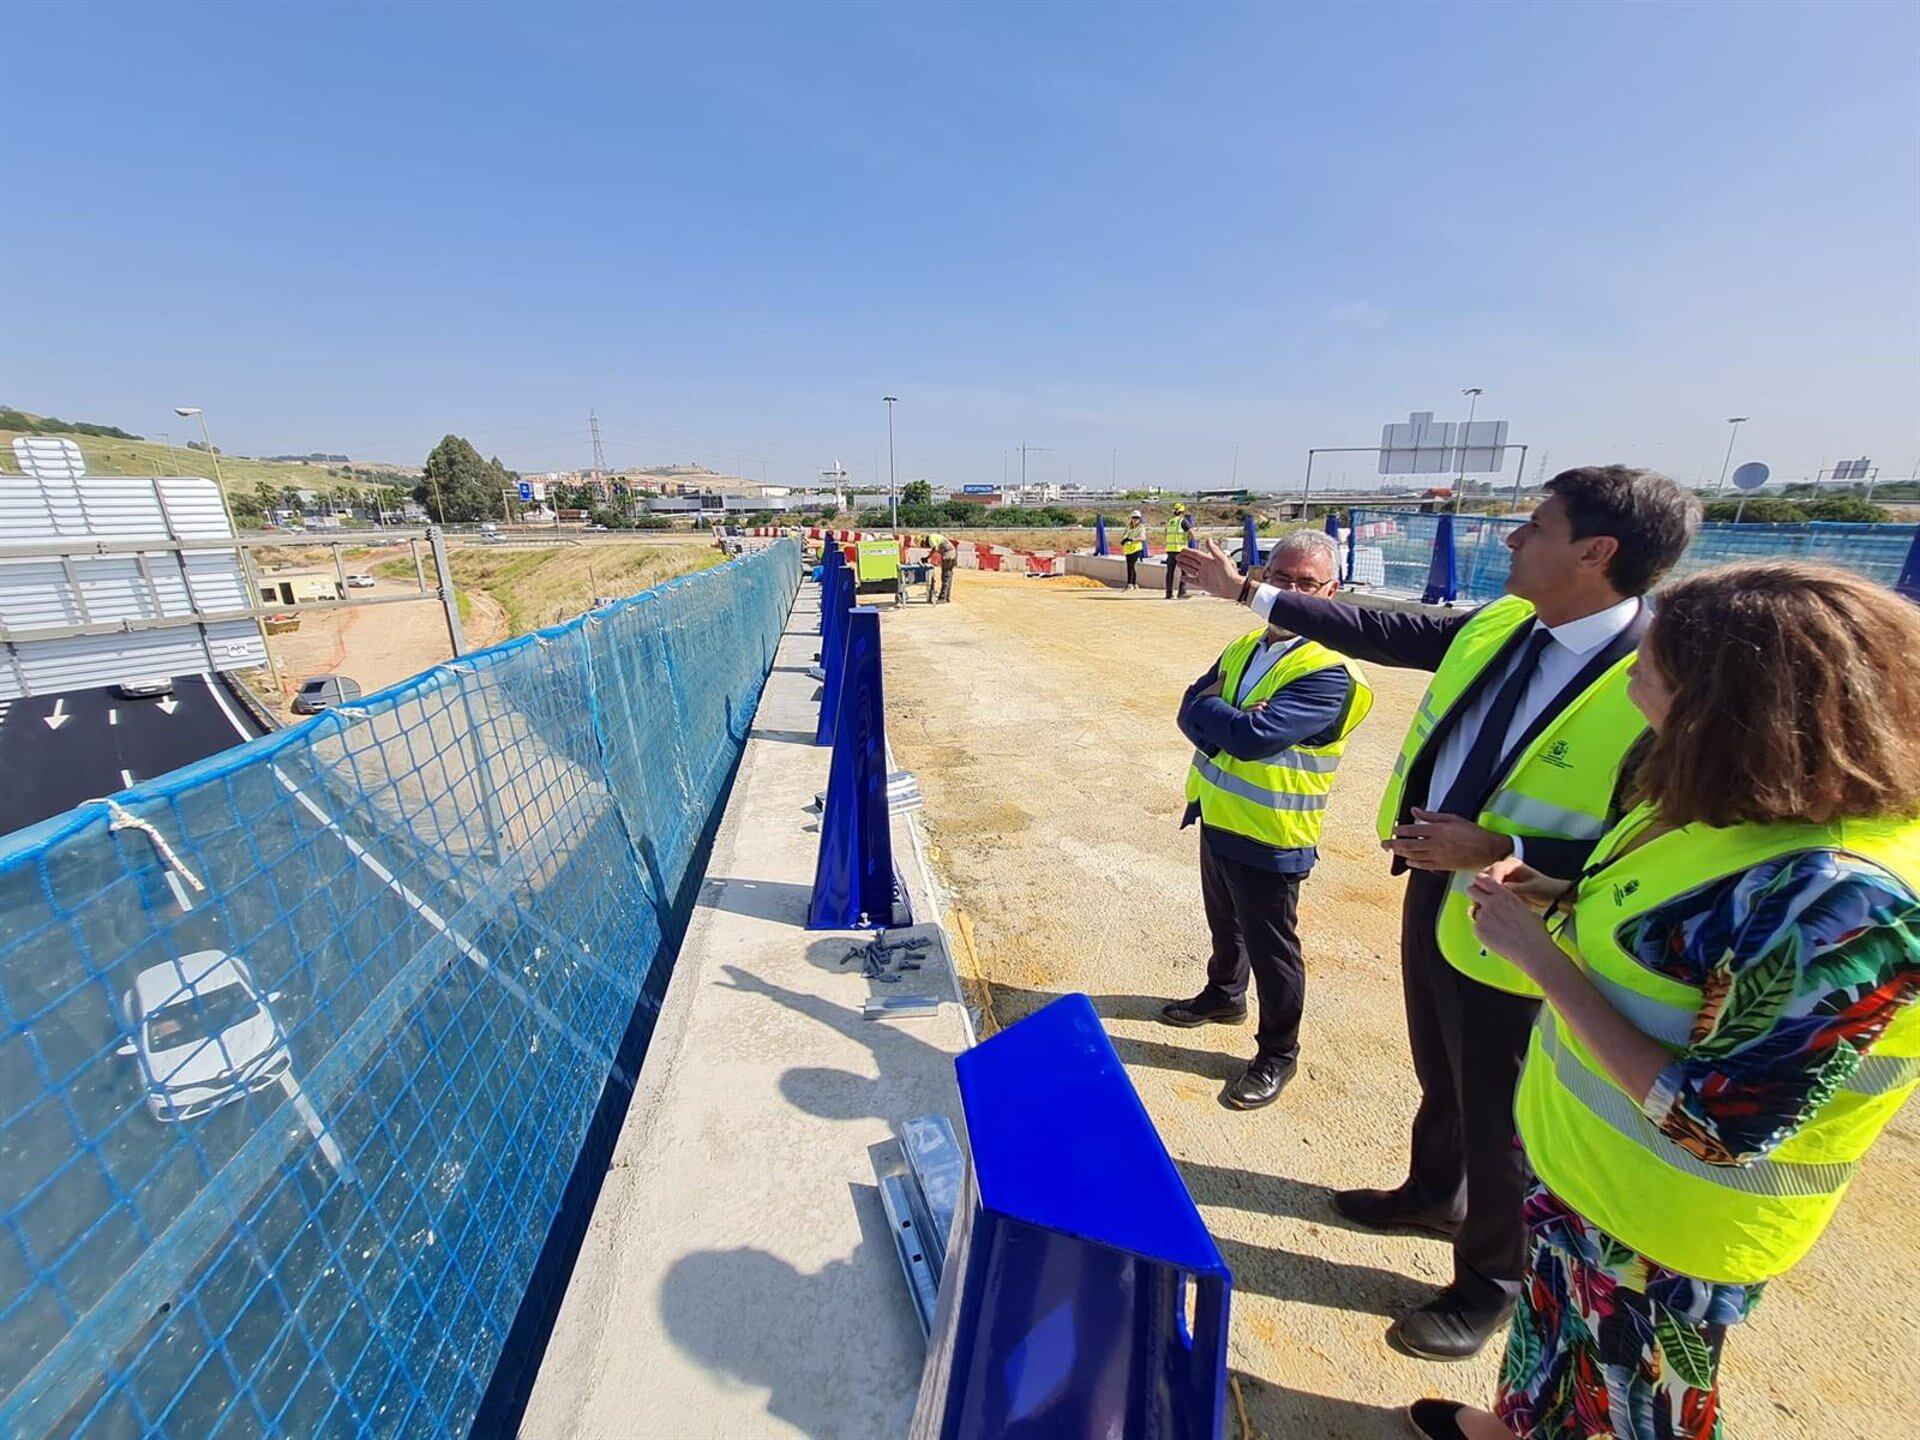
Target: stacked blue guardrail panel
<point x="444" y="906"/>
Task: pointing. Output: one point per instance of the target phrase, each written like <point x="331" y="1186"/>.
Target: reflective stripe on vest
<point x="1560" y="787"/>
<point x="1279" y="801"/>
<point x="1593" y="1146"/>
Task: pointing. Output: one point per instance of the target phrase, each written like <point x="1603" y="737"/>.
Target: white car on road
<point x="203" y="1034"/>
<point x="359" y="582"/>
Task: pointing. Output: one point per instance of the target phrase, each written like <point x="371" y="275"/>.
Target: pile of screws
<point x="884" y="962"/>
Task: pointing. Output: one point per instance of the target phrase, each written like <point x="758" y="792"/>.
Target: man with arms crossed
<point x="1516" y="749"/>
<point x="1268" y="723"/>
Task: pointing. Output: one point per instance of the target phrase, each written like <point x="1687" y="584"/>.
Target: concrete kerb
<point x="737" y="1277"/>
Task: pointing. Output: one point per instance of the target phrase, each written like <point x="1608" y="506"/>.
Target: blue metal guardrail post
<point x="1063" y="1303"/>
<point x="1099" y="534"/>
<point x="1442" y="576"/>
<point x="854" y="885"/>
<point x="836" y="605"/>
<point x="1909" y="585"/>
<point x="830" y="560"/>
<point x="1249" y="544"/>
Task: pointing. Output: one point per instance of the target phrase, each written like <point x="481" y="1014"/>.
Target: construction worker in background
<point x="1268" y="723"/>
<point x="1179" y="537"/>
<point x="1516" y="750"/>
<point x="943" y="552"/>
<point x="1131" y="544"/>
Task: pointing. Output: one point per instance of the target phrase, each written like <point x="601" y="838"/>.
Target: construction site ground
<point x="1038" y="715"/>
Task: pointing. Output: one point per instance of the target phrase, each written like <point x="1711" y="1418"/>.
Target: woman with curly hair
<point x="1730" y="984"/>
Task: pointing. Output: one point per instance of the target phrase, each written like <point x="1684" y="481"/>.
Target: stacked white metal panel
<point x="78" y="590"/>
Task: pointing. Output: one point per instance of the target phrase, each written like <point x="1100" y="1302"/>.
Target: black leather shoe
<point x="1202" y="1009"/>
<point x="1447" y="1329"/>
<point x="1436" y="1419"/>
<point x="1259" y="1084"/>
<point x="1390" y="1210"/>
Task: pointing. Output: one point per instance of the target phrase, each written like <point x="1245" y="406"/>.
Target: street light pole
<point x="1460" y="484"/>
<point x="1736" y="421"/>
<point x="893" y="493"/>
<point x="219" y="481"/>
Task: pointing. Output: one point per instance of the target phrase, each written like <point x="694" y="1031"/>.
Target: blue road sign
<point x="526" y="490"/>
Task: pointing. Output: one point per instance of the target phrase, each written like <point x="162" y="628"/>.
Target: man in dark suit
<point x="1516" y="749"/>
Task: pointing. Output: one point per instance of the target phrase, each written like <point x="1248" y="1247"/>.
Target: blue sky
<point x="1140" y="236"/>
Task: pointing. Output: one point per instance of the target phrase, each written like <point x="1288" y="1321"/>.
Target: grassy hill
<point x="112" y="455"/>
<point x="540" y="587"/>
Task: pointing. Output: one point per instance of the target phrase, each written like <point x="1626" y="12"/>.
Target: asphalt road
<point x="57" y="751"/>
<point x="330" y="1264"/>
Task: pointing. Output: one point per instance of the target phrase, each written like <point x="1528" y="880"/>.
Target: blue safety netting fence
<point x="299" y="1045"/>
<point x="1480" y="554"/>
<point x="1391" y="549"/>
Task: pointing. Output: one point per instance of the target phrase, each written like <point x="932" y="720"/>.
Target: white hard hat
<point x="1134" y="516"/>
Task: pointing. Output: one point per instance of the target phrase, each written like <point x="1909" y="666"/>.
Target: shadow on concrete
<point x="840" y="1094"/>
<point x="1275" y="1412"/>
<point x="1315" y="1280"/>
<point x="786" y="737"/>
<point x="705" y="1296"/>
<point x="781" y="900"/>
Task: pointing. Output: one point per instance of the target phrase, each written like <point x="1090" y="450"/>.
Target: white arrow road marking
<point x="169" y="705"/>
<point x="59" y="716"/>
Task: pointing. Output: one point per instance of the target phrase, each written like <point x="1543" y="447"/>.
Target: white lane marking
<point x="169" y="705"/>
<point x="426" y="912"/>
<point x="213" y="688"/>
<point x="179" y="891"/>
<point x="126" y="779"/>
<point x="310" y="1117"/>
<point x="59" y="716"/>
<point x="113" y="717"/>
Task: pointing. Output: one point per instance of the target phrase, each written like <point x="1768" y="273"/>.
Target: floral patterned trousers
<point x="1606" y="1345"/>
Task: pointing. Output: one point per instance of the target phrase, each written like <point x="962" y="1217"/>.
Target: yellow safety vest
<point x="1595" y="1148"/>
<point x="1560" y="787"/>
<point x="1176" y="534"/>
<point x="1282" y="800"/>
<point x="1131" y="542"/>
<point x="934" y="542"/>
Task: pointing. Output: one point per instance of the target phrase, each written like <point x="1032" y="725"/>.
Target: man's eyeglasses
<point x="1295" y="582"/>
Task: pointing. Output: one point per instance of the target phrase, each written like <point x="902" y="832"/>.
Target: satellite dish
<point x="1750" y="476"/>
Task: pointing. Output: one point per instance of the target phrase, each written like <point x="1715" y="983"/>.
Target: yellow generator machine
<point x="876" y="566"/>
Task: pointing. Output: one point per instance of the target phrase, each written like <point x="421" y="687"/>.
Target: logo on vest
<point x="1621" y="892"/>
<point x="1556" y="756"/>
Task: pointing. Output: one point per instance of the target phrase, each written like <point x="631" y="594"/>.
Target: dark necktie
<point x="1470" y="787"/>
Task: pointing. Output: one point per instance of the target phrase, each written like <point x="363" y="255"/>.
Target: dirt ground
<point x="1038" y="716"/>
<point x="377" y="645"/>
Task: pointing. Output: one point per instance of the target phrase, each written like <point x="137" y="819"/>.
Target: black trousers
<point x="1469" y="1041"/>
<point x="1250" y="913"/>
<point x="1133" y="567"/>
<point x="1173" y="573"/>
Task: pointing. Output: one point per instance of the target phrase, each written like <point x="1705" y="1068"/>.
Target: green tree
<point x="1847" y="507"/>
<point x="916" y="492"/>
<point x="1760" y="510"/>
<point x="265" y="497"/>
<point x="457" y="485"/>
